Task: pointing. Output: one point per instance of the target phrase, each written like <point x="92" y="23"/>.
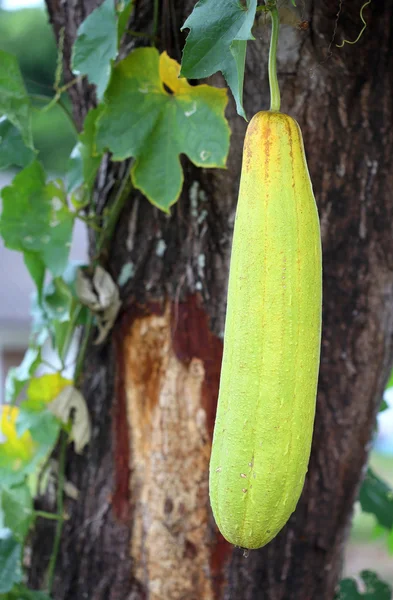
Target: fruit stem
<point x="275" y="99"/>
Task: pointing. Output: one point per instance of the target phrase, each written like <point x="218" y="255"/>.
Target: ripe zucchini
<point x="266" y="406"/>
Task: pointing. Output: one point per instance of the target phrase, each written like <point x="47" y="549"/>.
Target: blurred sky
<point x="15" y="4"/>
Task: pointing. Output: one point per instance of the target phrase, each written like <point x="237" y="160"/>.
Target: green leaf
<point x="384" y="405"/>
<point x="17" y="453"/>
<point x="13" y="152"/>
<point x="36" y="268"/>
<point x="124" y="15"/>
<point x="96" y="46"/>
<point x="17" y="377"/>
<point x="74" y="174"/>
<point x="16" y="507"/>
<point x="84" y="160"/>
<point x="40" y="330"/>
<point x="21" y="592"/>
<point x="141" y="119"/>
<point x="62" y="309"/>
<point x="10" y="560"/>
<point x="43" y="426"/>
<point x="58" y="300"/>
<point x="37" y="221"/>
<point x="376" y="498"/>
<point x="375" y="588"/>
<point x="59" y="311"/>
<point x="14" y="101"/>
<point x="219" y="30"/>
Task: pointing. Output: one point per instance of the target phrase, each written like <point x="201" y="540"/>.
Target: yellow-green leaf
<point x="44" y="389"/>
<point x="14" y="450"/>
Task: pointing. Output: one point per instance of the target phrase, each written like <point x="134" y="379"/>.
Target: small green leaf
<point x="96" y="46"/>
<point x="62" y="309"/>
<point x="36" y="220"/>
<point x="16" y="507"/>
<point x="59" y="311"/>
<point x="42" y="425"/>
<point x="17" y="377"/>
<point x="384" y="405"/>
<point x="219" y="30"/>
<point x="58" y="300"/>
<point x="10" y="561"/>
<point x="376" y="498"/>
<point x="14" y="101"/>
<point x="143" y="120"/>
<point x="348" y="590"/>
<point x="375" y="588"/>
<point x="21" y="592"/>
<point x="13" y="152"/>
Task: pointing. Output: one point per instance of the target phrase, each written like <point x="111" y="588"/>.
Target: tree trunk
<point x="142" y="526"/>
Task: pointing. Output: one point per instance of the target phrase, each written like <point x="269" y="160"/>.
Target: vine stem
<point x="275" y="98"/>
<point x="59" y="101"/>
<point x="115" y="210"/>
<point x="45" y="515"/>
<point x="155" y="18"/>
<point x="60" y="511"/>
<point x="83" y="348"/>
<point x="89" y="222"/>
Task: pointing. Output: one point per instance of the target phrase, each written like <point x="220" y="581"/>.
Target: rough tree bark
<point x="142" y="527"/>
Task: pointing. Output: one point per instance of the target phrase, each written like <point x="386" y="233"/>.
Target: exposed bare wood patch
<point x="169" y="455"/>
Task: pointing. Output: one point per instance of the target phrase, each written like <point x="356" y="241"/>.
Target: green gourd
<point x="265" y="414"/>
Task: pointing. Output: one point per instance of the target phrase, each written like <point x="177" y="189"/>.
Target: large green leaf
<point x="36" y="220"/>
<point x="219" y="30"/>
<point x="10" y="561"/>
<point x="16" y="508"/>
<point x="152" y="115"/>
<point x="14" y="101"/>
<point x="96" y="46"/>
<point x="376" y="497"/>
<point x="375" y="588"/>
<point x="13" y="152"/>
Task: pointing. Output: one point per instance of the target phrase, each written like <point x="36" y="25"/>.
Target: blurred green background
<point x="363" y="550"/>
<point x="27" y="34"/>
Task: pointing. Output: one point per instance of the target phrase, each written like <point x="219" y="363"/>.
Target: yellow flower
<point x="13" y="449"/>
